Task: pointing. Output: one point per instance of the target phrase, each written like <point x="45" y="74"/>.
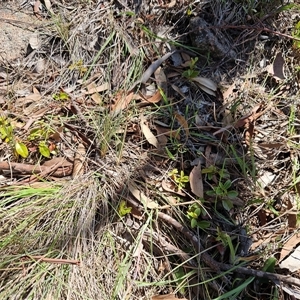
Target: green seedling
<point x="61" y="96"/>
<point x="7" y="135"/>
<point x="194" y="212"/>
<point x="225" y="239"/>
<point x="6" y="130"/>
<point x="79" y="67"/>
<point x="21" y="149"/>
<point x="124" y="209"/>
<point x="191" y="72"/>
<point x="179" y="178"/>
<point x="223" y="191"/>
<point x="212" y="171"/>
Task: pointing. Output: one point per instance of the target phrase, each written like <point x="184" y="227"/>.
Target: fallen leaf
<point x="97" y="98"/>
<point x="150" y="137"/>
<point x="34" y="97"/>
<point x="167" y="132"/>
<point x="166" y="297"/>
<point x="49" y="6"/>
<point x="206" y="84"/>
<point x="288" y="247"/>
<point x="161" y="78"/>
<point x="34" y="41"/>
<point x="196" y="181"/>
<point x="265" y="180"/>
<point x="229" y="92"/>
<point x="122" y="101"/>
<point x="292" y="262"/>
<point x="182" y="121"/>
<point x="154" y="66"/>
<point x="141" y="197"/>
<point x="292" y="217"/>
<point x="155" y="98"/>
<point x="92" y="88"/>
<point x="276" y="68"/>
<point x="171" y="188"/>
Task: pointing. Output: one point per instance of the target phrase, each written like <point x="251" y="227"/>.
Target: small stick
<point x="53" y="260"/>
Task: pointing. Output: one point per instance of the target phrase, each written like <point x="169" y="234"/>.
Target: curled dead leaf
<point x="150" y="137"/>
<point x="141" y="197"/>
<point x="196" y="181"/>
<point x="182" y="121"/>
<point x="206" y="84"/>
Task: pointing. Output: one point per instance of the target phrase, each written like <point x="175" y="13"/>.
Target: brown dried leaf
<point x="292" y="218"/>
<point x="276" y="68"/>
<point x="196" y="181"/>
<point x="122" y="101"/>
<point x="97" y="98"/>
<point x="161" y="78"/>
<point x="155" y="98"/>
<point x="207" y="85"/>
<point x="150" y="137"/>
<point x="182" y="121"/>
<point x="169" y="188"/>
<point x="92" y="88"/>
<point x="168" y="132"/>
<point x="141" y="197"/>
<point x="289" y="247"/>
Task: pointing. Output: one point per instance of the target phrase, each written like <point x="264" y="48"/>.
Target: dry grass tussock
<point x="119" y="182"/>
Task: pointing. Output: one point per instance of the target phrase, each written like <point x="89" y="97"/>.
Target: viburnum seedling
<point x="222" y="191"/>
<point x="194" y="212"/>
<point x="179" y="178"/>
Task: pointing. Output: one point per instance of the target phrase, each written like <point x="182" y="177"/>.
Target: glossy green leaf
<point x="203" y="224"/>
<point x="227" y="204"/>
<point x="194" y="223"/>
<point x="232" y="194"/>
<point x="21" y="149"/>
<point x="44" y="150"/>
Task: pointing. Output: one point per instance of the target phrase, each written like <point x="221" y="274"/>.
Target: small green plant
<point x="179" y="178"/>
<point x="61" y="96"/>
<point x="223" y="191"/>
<point x="6" y="130"/>
<point x="225" y="239"/>
<point x="123" y="209"/>
<point x="79" y="66"/>
<point x="212" y="171"/>
<point x="191" y="72"/>
<point x="7" y="135"/>
<point x="37" y="136"/>
<point x="194" y="212"/>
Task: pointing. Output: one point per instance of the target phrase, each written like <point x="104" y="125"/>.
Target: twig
<point x="207" y="259"/>
<point x="53" y="260"/>
<point x="261" y="274"/>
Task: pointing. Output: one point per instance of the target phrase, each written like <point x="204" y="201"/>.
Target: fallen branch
<point x="62" y="168"/>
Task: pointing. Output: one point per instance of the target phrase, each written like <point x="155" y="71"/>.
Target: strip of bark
<point x="64" y="168"/>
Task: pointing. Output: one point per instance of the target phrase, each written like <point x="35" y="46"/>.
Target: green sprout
<point x="222" y="191"/>
<point x="194" y="212"/>
<point x="180" y="179"/>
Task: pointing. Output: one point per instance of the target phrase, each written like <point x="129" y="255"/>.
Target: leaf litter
<point x="96" y="141"/>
